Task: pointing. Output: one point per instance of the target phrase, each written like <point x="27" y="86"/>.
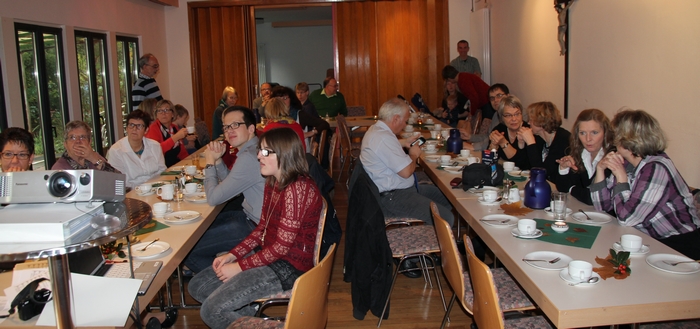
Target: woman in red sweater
<point x="285" y="237"/>
<point x="163" y="131"/>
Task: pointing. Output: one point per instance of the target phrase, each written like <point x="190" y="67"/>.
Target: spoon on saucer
<point x="592" y="279"/>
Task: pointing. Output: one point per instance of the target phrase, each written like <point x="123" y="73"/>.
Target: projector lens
<point x="61" y="184"/>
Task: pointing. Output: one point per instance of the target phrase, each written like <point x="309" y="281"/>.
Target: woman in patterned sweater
<point x="283" y="241"/>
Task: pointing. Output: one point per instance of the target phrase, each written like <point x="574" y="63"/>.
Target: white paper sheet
<point x="97" y="301"/>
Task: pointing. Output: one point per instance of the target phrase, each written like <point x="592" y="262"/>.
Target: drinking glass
<point x="558" y="205"/>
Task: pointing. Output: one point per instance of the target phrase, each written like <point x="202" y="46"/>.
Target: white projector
<point x="61" y="186"/>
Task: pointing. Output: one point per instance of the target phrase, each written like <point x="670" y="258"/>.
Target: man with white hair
<point x="391" y="169"/>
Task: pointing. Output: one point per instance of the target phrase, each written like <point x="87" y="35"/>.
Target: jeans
<point x="409" y="203"/>
<point x="225" y="233"/>
<point x="224" y="302"/>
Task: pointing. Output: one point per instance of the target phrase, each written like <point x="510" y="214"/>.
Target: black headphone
<point x="30" y="292"/>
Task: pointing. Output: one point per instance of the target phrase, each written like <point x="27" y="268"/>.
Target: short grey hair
<point x="143" y="60"/>
<point x="75" y="125"/>
<point x="391" y="108"/>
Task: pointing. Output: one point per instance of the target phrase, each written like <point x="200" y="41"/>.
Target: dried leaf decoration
<point x="515" y="209"/>
<point x="580" y="230"/>
<point x="615" y="265"/>
<point x="572" y="239"/>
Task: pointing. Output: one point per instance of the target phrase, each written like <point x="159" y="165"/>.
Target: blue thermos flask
<point x="538" y="193"/>
<point x="454" y="143"/>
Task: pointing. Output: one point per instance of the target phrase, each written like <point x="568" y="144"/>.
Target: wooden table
<point x="181" y="238"/>
<point x="359" y="121"/>
<point x="646" y="295"/>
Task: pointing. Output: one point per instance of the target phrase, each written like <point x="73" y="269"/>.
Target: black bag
<point x="479" y="174"/>
<point x="30" y="301"/>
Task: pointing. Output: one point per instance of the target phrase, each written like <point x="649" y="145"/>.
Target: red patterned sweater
<point x="291" y="234"/>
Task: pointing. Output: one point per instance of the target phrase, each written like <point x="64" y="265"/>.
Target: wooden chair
<point x="487" y="310"/>
<point x="308" y="307"/>
<point x="476" y="122"/>
<point x="321" y="146"/>
<point x="348" y="150"/>
<point x="459" y="279"/>
<point x="282" y="298"/>
<point x="331" y="153"/>
<point x="356" y="111"/>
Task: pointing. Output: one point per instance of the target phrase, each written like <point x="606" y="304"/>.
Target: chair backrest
<point x="308" y="307"/>
<point x="319" y="233"/>
<point x="356" y="111"/>
<point x="344" y="132"/>
<point x="476" y="122"/>
<point x="451" y="261"/>
<point x="321" y="146"/>
<point x="487" y="310"/>
<point x="331" y="153"/>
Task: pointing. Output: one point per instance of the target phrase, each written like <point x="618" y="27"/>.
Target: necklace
<point x="269" y="207"/>
<point x="140" y="151"/>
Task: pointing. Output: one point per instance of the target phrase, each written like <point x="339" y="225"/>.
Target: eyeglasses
<point x="153" y="66"/>
<point x="163" y="111"/>
<point x="514" y="115"/>
<point x="284" y="98"/>
<point x="498" y="96"/>
<point x="138" y="126"/>
<point x="10" y="155"/>
<point x="265" y="152"/>
<point x="75" y="138"/>
<point x="233" y="125"/>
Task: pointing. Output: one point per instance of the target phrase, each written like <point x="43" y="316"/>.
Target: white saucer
<point x="453" y="169"/>
<point x="564" y="275"/>
<point x="176" y="168"/>
<point x="497" y="220"/>
<point x="199" y="197"/>
<point x="519" y="173"/>
<point x="158" y="249"/>
<point x="656" y="261"/>
<point x="432" y="158"/>
<point x="516" y="233"/>
<point x="147" y="193"/>
<point x="479" y="190"/>
<point x="618" y="247"/>
<point x="548" y="210"/>
<point x="486" y="203"/>
<point x="430" y="152"/>
<point x="548" y="255"/>
<point x="182" y="217"/>
<point x="167" y="212"/>
<point x="199" y="176"/>
<point x="597" y="218"/>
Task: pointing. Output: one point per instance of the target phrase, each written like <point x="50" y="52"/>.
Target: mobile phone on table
<point x="420" y="141"/>
<point x="456" y="182"/>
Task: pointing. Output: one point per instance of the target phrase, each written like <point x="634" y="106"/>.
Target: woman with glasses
<point x="17" y="146"/>
<point x="284" y="238"/>
<point x="137" y="157"/>
<point x="592" y="135"/>
<point x="645" y="189"/>
<point x="79" y="154"/>
<point x="278" y="116"/>
<point x="553" y="141"/>
<point x="165" y="132"/>
<point x="505" y="138"/>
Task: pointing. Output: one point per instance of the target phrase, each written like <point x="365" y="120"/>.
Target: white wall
<point x="296" y="54"/>
<point x="637" y="53"/>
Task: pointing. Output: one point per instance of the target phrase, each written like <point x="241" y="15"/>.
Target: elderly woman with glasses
<point x="79" y="154"/>
<point x="165" y="132"/>
<point x="279" y="249"/>
<point x="505" y="137"/>
<point x="139" y="158"/>
<point x="17" y="146"/>
<point x="645" y="188"/>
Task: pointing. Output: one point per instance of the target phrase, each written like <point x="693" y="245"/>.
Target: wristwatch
<point x="209" y="165"/>
<point x="505" y="145"/>
<point x="98" y="163"/>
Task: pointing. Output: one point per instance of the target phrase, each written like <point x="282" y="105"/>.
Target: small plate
<point x="167" y="212"/>
<point x="199" y="197"/>
<point x="564" y="275"/>
<point x="657" y="261"/>
<point x="432" y="158"/>
<point x="597" y="218"/>
<point x="486" y="203"/>
<point x="430" y="152"/>
<point x="199" y="176"/>
<point x="618" y="247"/>
<point x="160" y="183"/>
<point x="497" y="220"/>
<point x="453" y="169"/>
<point x="549" y="211"/>
<point x="516" y="233"/>
<point x="519" y="173"/>
<point x="176" y="168"/>
<point x="548" y="255"/>
<point x="479" y="190"/>
<point x="182" y="217"/>
<point x="152" y="192"/>
<point x="153" y="251"/>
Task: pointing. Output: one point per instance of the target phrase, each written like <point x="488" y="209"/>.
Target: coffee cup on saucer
<point x="429" y="121"/>
<point x="472" y="160"/>
<point x="464" y="153"/>
<point x="144" y="188"/>
<point x="445" y="159"/>
<point x="160" y="209"/>
<point x="508" y="166"/>
<point x="192" y="187"/>
<point x="430" y="147"/>
<point x="631" y="242"/>
<point x="434" y="134"/>
<point x="165" y="191"/>
<point x="527" y="226"/>
<point x="580" y="270"/>
<point x="408" y="128"/>
<point x="437" y="127"/>
<point x="490" y="195"/>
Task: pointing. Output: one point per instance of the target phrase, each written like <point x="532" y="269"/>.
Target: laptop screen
<point x="86" y="261"/>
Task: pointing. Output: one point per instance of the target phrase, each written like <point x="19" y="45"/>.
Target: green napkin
<point x="165" y="173"/>
<point x="152" y="226"/>
<point x="578" y="235"/>
<point x="516" y="178"/>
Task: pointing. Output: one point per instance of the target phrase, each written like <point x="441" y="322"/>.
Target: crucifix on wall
<point x="562" y="8"/>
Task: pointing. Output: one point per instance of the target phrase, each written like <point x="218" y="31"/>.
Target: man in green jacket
<point x="328" y="100"/>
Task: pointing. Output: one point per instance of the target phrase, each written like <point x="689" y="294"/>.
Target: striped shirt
<point x="145" y="87"/>
<point x="656" y="200"/>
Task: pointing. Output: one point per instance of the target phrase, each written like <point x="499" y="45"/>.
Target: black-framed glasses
<point x="233" y="125"/>
<point x="498" y="96"/>
<point x="514" y="115"/>
<point x="75" y="138"/>
<point x="265" y="152"/>
<point x="138" y="126"/>
<point x="154" y="66"/>
<point x="163" y="111"/>
<point x="10" y="155"/>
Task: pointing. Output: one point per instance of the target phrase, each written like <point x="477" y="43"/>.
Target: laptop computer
<point x="92" y="262"/>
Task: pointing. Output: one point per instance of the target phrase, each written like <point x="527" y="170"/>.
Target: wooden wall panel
<point x="405" y="44"/>
<point x="220" y="56"/>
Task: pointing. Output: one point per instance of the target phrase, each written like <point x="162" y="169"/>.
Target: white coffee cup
<point x="580" y="270"/>
<point x="160" y="208"/>
<point x="490" y="195"/>
<point x="430" y="147"/>
<point x="190" y="170"/>
<point x="445" y="133"/>
<point x="514" y="195"/>
<point x="429" y="121"/>
<point x="437" y="127"/>
<point x="527" y="226"/>
<point x="434" y="134"/>
<point x="508" y="166"/>
<point x="464" y="153"/>
<point x="190" y="130"/>
<point x="411" y="121"/>
<point x="445" y="158"/>
<point x="192" y="187"/>
<point x="471" y="160"/>
<point x="631" y="242"/>
<point x="144" y="188"/>
<point x="414" y="115"/>
<point x="408" y="128"/>
<point x="165" y="191"/>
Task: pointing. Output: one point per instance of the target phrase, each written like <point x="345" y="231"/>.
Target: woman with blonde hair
<point x="553" y="141"/>
<point x="645" y="189"/>
<point x="228" y="98"/>
<point x="277" y="114"/>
